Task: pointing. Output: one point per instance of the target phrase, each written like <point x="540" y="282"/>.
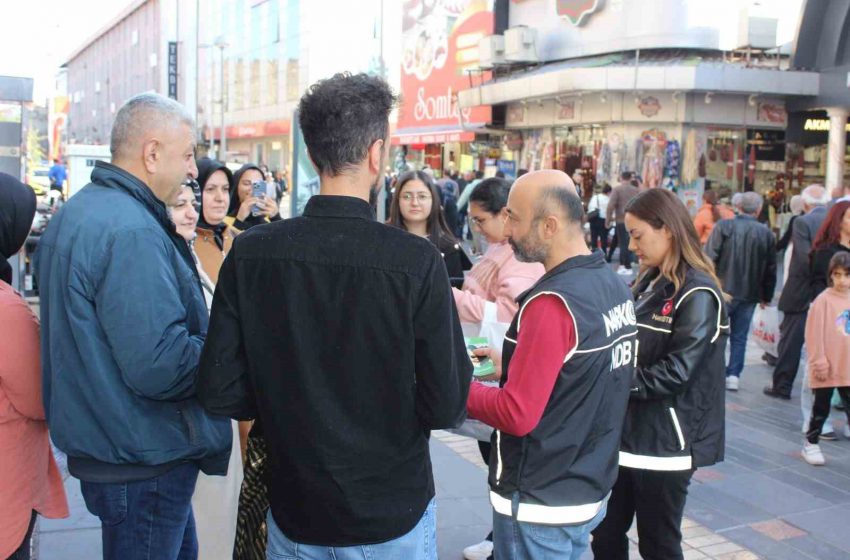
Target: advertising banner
<point x="440" y="43"/>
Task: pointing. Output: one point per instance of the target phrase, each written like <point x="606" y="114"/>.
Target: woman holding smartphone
<point x="247" y="207"/>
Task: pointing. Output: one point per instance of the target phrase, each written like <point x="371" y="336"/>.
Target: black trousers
<point x="792" y="335"/>
<point x="23" y="552"/>
<point x="821" y="407"/>
<point x="657" y="498"/>
<point x="598" y="234"/>
<point x="623" y="240"/>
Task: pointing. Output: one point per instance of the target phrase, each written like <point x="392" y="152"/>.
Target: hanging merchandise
<point x="597" y="149"/>
<point x="671" y="162"/>
<point x="690" y="165"/>
<point x="638" y="151"/>
<point x="604" y="166"/>
<point x="739" y="163"/>
<point x="701" y="167"/>
<point x="751" y="167"/>
<point x="652" y="167"/>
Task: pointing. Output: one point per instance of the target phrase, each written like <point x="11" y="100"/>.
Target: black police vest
<point x="564" y="469"/>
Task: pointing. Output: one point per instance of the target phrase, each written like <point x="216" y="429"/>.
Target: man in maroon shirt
<point x="567" y="366"/>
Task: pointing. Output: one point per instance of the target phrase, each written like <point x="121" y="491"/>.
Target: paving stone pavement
<point x="763" y="501"/>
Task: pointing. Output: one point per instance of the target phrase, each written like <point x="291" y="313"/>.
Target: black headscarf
<point x="234" y="187"/>
<point x="17" y="209"/>
<point x="206" y="167"/>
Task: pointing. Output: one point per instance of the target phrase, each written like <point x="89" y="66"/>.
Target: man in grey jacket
<point x="744" y="252"/>
<point x="616" y="214"/>
<point x="796" y="295"/>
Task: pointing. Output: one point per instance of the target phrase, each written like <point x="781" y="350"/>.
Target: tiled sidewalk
<point x="699" y="541"/>
<point x="763" y="501"/>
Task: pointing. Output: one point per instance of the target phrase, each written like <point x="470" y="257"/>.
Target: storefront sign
<point x="649" y="106"/>
<point x="566" y="110"/>
<point x="172" y="69"/>
<point x="507" y="167"/>
<point x="434" y="137"/>
<point x="810" y="128"/>
<point x="769" y="144"/>
<point x="516" y="114"/>
<point x="439" y="43"/>
<point x="576" y="11"/>
<point x="255" y="129"/>
<point x="772" y="113"/>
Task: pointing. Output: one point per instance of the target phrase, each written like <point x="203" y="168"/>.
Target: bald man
<point x="123" y="321"/>
<point x="567" y="367"/>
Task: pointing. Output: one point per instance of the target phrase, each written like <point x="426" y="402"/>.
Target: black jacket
<point x="676" y="415"/>
<point x="797" y="292"/>
<point x="340" y="334"/>
<point x="744" y="252"/>
<point x="566" y="466"/>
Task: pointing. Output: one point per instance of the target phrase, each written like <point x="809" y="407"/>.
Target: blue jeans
<point x="149" y="519"/>
<point x="740" y="317"/>
<point x="520" y="540"/>
<point x="419" y="544"/>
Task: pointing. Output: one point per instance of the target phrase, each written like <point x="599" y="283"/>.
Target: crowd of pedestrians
<point x="229" y="384"/>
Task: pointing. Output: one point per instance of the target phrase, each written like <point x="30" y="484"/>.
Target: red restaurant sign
<point x="439" y="42"/>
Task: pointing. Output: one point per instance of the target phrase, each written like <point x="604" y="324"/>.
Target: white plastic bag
<point x="494" y="331"/>
<point x="765" y="329"/>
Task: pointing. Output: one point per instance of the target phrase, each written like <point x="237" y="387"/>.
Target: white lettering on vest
<point x="621" y="316"/>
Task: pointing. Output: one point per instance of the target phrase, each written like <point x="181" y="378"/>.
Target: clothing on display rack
<point x="671" y="162"/>
<point x="691" y="159"/>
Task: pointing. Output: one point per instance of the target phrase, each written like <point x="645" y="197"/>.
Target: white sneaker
<point x="812" y="454"/>
<point x="732" y="383"/>
<point x="480" y="551"/>
<point x="846" y="431"/>
<point x="623" y="271"/>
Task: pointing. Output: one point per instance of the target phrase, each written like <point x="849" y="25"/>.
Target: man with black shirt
<point x="340" y="335"/>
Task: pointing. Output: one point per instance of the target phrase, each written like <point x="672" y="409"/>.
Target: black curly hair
<point x="341" y="117"/>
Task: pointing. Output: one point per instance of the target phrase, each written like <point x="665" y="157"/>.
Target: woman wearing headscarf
<point x="246" y="210"/>
<point x="31" y="483"/>
<point x="214" y="235"/>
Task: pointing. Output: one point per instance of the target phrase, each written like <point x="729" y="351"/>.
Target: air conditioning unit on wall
<point x="491" y="51"/>
<point x="521" y="44"/>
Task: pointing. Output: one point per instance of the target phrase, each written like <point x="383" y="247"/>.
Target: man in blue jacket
<point x="123" y="322"/>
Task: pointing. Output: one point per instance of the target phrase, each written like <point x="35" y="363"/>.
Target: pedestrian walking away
<point x="566" y="370"/>
<point x="797" y="293"/>
<point x="615" y="217"/>
<point x="675" y="421"/>
<point x="744" y="254"/>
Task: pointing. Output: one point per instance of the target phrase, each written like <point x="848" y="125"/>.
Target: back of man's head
<point x="751" y="203"/>
<point x="562" y="201"/>
<point x="625" y="176"/>
<point x="142" y="117"/>
<point x="342" y="117"/>
<point x="736" y="201"/>
<point x="814" y="196"/>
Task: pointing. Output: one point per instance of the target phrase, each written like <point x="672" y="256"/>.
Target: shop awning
<point x="431" y="135"/>
<point x="260" y="129"/>
<point x="625" y="72"/>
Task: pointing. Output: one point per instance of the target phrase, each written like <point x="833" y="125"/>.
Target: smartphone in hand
<point x="258" y="190"/>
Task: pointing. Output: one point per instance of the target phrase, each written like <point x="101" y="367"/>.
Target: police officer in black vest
<point x="675" y="419"/>
<point x="567" y="360"/>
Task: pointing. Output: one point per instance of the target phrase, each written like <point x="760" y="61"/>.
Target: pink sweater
<point x="499" y="278"/>
<point x="828" y="339"/>
<point x="30" y="479"/>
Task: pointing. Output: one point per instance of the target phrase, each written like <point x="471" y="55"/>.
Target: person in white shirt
<point x="597" y="209"/>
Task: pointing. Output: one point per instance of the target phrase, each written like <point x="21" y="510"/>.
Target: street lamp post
<point x="221" y="43"/>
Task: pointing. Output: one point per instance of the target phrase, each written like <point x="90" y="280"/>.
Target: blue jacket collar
<point x="112" y="176"/>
